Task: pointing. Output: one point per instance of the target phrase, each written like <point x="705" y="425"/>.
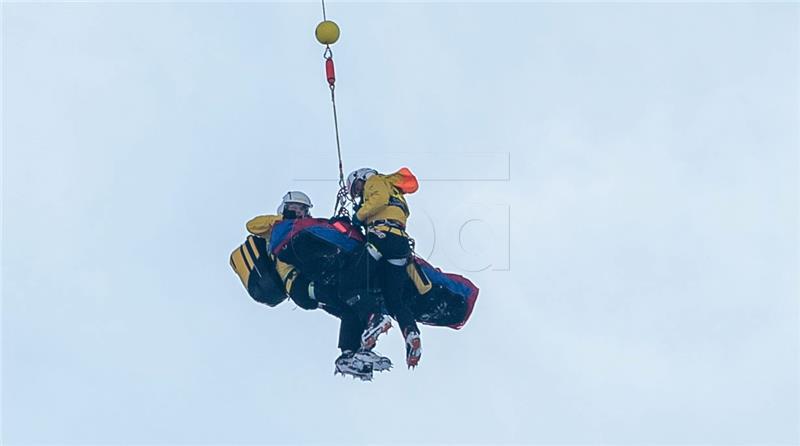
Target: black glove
<point x="356" y="222"/>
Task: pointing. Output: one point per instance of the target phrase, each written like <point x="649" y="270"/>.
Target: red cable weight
<point x="329" y="71"/>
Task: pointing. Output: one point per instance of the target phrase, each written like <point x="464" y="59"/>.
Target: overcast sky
<point x="619" y="179"/>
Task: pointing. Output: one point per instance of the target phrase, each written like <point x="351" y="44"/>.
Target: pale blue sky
<point x="619" y="179"/>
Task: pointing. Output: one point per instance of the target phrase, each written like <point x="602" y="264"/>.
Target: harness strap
<point x="390" y="223"/>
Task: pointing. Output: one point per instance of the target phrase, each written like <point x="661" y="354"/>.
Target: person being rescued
<point x="383" y="211"/>
<point x="270" y="281"/>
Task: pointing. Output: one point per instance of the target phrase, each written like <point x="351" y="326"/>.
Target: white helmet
<point x="359" y="174"/>
<point x="294" y="196"/>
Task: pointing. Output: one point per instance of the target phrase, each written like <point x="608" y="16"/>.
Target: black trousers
<point x="393" y="278"/>
<point x="352" y="323"/>
<point x="350" y="329"/>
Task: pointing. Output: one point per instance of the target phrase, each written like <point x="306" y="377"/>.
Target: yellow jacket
<point x="285" y="272"/>
<point x="382" y="200"/>
<point x="262" y="225"/>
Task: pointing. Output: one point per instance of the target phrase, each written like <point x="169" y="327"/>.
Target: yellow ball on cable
<point x="327" y="32"/>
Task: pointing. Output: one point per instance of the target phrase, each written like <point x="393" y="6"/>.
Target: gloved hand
<point x="356" y="222"/>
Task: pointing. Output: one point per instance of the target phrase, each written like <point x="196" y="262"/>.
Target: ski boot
<point x="379" y="363"/>
<point x="377" y="324"/>
<point x="348" y="364"/>
<point x="413" y="347"/>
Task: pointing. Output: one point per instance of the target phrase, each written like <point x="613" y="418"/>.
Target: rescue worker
<point x="295" y="204"/>
<point x="308" y="295"/>
<point x="383" y="211"/>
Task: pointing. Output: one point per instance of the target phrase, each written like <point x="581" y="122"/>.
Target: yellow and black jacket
<point x="267" y="279"/>
<point x="257" y="270"/>
<point x="383" y="197"/>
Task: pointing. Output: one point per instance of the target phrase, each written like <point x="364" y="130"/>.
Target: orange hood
<point x="404" y="180"/>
